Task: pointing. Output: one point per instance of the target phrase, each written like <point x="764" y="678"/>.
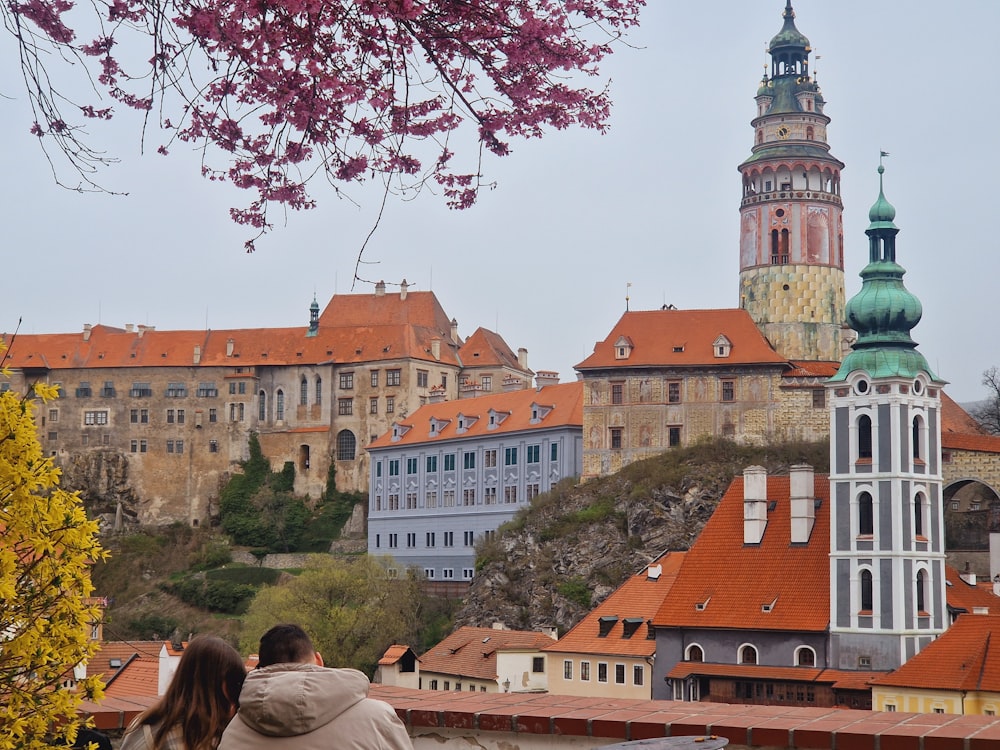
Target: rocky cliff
<point x="562" y="556"/>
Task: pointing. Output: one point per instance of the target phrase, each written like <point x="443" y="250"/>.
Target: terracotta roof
<point x="637" y="600"/>
<point x="472" y="652"/>
<point x="964" y="657"/>
<point x="353" y="328"/>
<point x="967" y="596"/>
<point x="560" y="405"/>
<point x="841" y="679"/>
<point x="121" y="652"/>
<point x="485" y="348"/>
<point x="139" y="677"/>
<point x="978" y="443"/>
<point x="956" y="419"/>
<point x="812" y="370"/>
<point x="683" y="338"/>
<point x="393" y="654"/>
<point x="171" y="651"/>
<point x="724" y="583"/>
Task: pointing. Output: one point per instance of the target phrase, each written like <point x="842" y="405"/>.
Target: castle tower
<point x="791" y="228"/>
<point x="887" y="560"/>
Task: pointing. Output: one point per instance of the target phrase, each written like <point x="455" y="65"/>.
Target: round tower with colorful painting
<point x="791" y="226"/>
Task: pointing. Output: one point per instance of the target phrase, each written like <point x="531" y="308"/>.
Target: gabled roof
<point x="120" y="652"/>
<point x="485" y="348"/>
<point x="139" y="677"/>
<point x="354" y="328"/>
<point x="683" y="338"/>
<point x="724" y="583"/>
<point x="965" y="657"/>
<point x="393" y="654"/>
<point x="472" y="652"/>
<point x="563" y="404"/>
<point x="956" y="419"/>
<point x="812" y="370"/>
<point x="636" y="600"/>
<point x="968" y="596"/>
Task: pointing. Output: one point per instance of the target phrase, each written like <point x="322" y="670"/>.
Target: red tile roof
<point x="139" y="677"/>
<point x="353" y="328"/>
<point x="472" y="652"/>
<point x="122" y="651"/>
<point x="638" y="598"/>
<point x="393" y="654"/>
<point x="964" y="657"/>
<point x="734" y="581"/>
<point x="967" y="596"/>
<point x="813" y="369"/>
<point x="485" y="348"/>
<point x="956" y="419"/>
<point x="514" y="408"/>
<point x="683" y="338"/>
<point x="977" y="443"/>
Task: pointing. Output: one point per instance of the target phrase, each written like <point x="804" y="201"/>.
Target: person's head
<point x="286" y="644"/>
<point x="203" y="694"/>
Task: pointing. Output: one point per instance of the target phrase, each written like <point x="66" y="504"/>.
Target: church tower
<point x="887" y="560"/>
<point x="791" y="229"/>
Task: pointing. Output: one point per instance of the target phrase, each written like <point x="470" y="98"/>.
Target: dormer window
<point x="465" y="421"/>
<point x="623" y="348"/>
<point x="605" y="624"/>
<point x="678" y="349"/>
<point x="496" y="418"/>
<point x="722" y="346"/>
<point x="630" y="626"/>
<point x="539" y="412"/>
<point x="702" y="606"/>
<point x="398" y="430"/>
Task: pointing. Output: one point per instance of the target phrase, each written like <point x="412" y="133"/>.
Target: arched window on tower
<point x="916" y="438"/>
<point x="346" y="445"/>
<point x="303" y="391"/>
<point x="867" y="597"/>
<point x="810" y="133"/>
<point x="695" y="653"/>
<point x="279" y="405"/>
<point x="866" y="515"/>
<point x="785" y="237"/>
<point x="319" y="390"/>
<point x="774" y="245"/>
<point x="262" y="407"/>
<point x="918" y="514"/>
<point x="921" y="592"/>
<point x="864" y="437"/>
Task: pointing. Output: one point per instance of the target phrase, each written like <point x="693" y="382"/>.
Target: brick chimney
<point x="86" y="331"/>
<point x="522" y="358"/>
<point x="754" y="504"/>
<point x="803" y="498"/>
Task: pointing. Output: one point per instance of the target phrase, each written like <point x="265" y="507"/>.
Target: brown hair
<point x="285" y="644"/>
<point x="202" y="697"/>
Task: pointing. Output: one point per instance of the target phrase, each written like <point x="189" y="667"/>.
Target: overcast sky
<point x="546" y="257"/>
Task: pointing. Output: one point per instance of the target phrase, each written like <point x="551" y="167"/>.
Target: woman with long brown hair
<point x="200" y="701"/>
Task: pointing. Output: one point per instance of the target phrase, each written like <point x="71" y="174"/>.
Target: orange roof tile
<point x="964" y="657"/>
<point x="813" y="369"/>
<point x="956" y="419"/>
<point x="683" y="338"/>
<point x="484" y="348"/>
<point x="564" y="401"/>
<point x="393" y="654"/>
<point x="121" y="652"/>
<point x="730" y="582"/>
<point x="138" y="677"/>
<point x="472" y="652"/>
<point x="637" y="599"/>
<point x="967" y="596"/>
<point x="964" y="442"/>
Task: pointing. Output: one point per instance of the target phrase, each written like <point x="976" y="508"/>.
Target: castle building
<point x="150" y="423"/>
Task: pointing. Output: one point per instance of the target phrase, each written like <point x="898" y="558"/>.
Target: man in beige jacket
<point x="292" y="702"/>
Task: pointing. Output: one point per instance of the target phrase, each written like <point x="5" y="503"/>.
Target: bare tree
<point x="987" y="412"/>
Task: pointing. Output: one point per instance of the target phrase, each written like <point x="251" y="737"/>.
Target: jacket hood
<point x="284" y="700"/>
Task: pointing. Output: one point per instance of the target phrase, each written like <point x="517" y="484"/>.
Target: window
<point x="469" y="537"/>
<point x="469" y="460"/>
<point x="232" y="388"/>
<point x="346" y="445"/>
<point x="345" y="406"/>
<point x="619" y="674"/>
<point x="176" y="390"/>
<point x="180" y="445"/>
<point x="469" y="497"/>
<point x="489" y="496"/>
<point x="510" y="494"/>
<point x="347" y="380"/>
<point x="411" y="500"/>
<point x="95" y="418"/>
<point x="538" y="664"/>
<point x="144" y="416"/>
<point x="53" y="415"/>
<point x="232" y="412"/>
<point x="319" y="390"/>
<point x="567" y="670"/>
<point x="133" y="416"/>
<point x="444" y="380"/>
<point x="819" y="398"/>
<point x="390" y="404"/>
<point x="170" y="446"/>
<point x="728" y="390"/>
<point x="411" y="466"/>
<point x="303" y="391"/>
<point x="392" y="377"/>
<point x="140" y="390"/>
<point x="213" y="446"/>
<point x="374" y="378"/>
<point x="449" y="538"/>
<point x="490" y="458"/>
<point x="674" y="392"/>
<point x="918" y="514"/>
<point x="531" y="490"/>
<point x="554" y="452"/>
<point x="448" y="573"/>
<point x="864" y="437"/>
<point x="241" y="387"/>
<point x="207" y="390"/>
<point x="430" y="499"/>
<point x="108" y="391"/>
<point x="616" y="438"/>
<point x="534" y="452"/>
<point x="617" y="389"/>
<point x="170" y="416"/>
<point x="428" y="573"/>
<point x="510" y="457"/>
<point x="279" y="405"/>
<point x="866" y="515"/>
<point x="142" y="446"/>
<point x="695" y="653"/>
<point x="133" y="446"/>
<point x="467" y="576"/>
<point x="449" y="462"/>
<point x="394" y="467"/>
<point x="805" y="657"/>
<point x="82" y="390"/>
<point x="638" y="675"/>
<point x="921" y="592"/>
<point x="890" y="707"/>
<point x="213" y="415"/>
<point x="748" y="655"/>
<point x="180" y="415"/>
<point x="393" y="541"/>
<point x="411" y="540"/>
<point x="602" y="672"/>
<point x="262" y="407"/>
<point x="448" y="499"/>
<point x="865" y="581"/>
<point x="393" y="503"/>
<point x="429" y="539"/>
<point x="585" y="671"/>
<point x="673" y="436"/>
<point x="373" y="405"/>
<point x="422" y="378"/>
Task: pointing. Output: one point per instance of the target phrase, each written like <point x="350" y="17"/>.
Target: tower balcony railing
<point x="774" y="195"/>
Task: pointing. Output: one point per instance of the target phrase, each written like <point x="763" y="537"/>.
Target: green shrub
<point x="575" y="589"/>
<point x="245" y="574"/>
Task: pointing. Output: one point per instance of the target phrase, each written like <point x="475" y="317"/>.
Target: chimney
<point x="803" y="498"/>
<point x="512" y="383"/>
<point x="546" y="377"/>
<point x="436" y="348"/>
<point x="522" y="358"/>
<point x="436" y="395"/>
<point x="454" y="330"/>
<point x="754" y="504"/>
<point x="86" y="331"/>
<point x="402" y="289"/>
<point x="142" y="329"/>
<point x="380" y="289"/>
<point x="129" y="327"/>
<point x="197" y="354"/>
<point x="230" y="345"/>
<point x="967" y="575"/>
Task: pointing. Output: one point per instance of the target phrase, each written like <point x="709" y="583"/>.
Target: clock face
<point x="782" y="132"/>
